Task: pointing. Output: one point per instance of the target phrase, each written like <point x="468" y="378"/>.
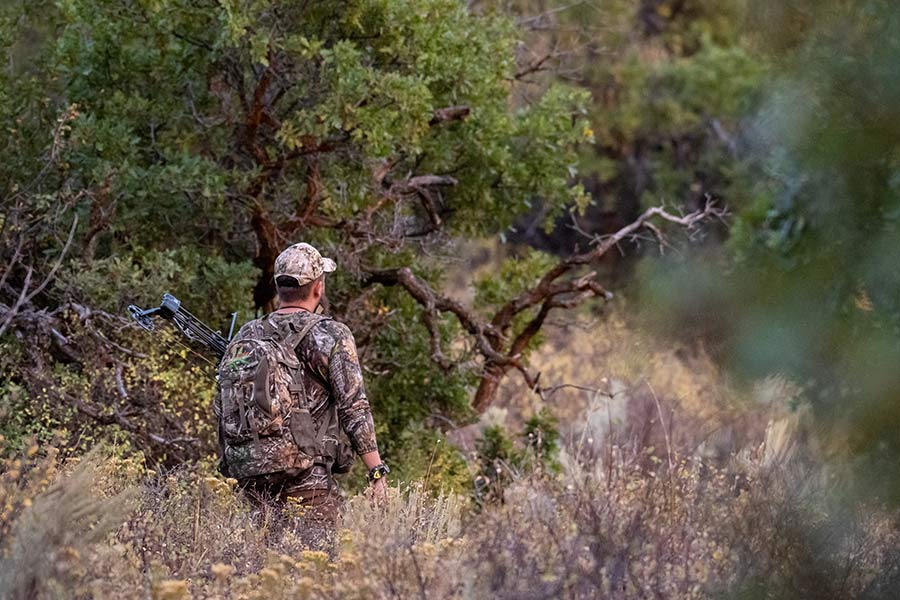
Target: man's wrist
<point x="378" y="472"/>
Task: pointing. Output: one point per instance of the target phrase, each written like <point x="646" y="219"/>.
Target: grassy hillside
<point x="666" y="482"/>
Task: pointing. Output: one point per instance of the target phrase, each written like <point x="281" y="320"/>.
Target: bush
<point x="612" y="521"/>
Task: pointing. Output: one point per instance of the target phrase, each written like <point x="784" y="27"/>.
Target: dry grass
<point x="51" y="521"/>
<point x="612" y="524"/>
<point x="672" y="485"/>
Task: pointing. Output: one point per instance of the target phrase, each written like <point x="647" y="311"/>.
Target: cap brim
<point x="328" y="265"/>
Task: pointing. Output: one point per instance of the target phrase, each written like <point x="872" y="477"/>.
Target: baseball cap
<point x="303" y="263"/>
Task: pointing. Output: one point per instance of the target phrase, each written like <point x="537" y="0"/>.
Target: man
<point x="291" y="447"/>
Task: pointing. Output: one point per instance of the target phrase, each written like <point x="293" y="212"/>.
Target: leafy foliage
<point x="671" y="85"/>
<point x="502" y="461"/>
<point x="808" y="279"/>
<point x="191" y="142"/>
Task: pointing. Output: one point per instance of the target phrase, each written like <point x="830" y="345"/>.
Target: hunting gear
<point x="190" y="326"/>
<point x="292" y="409"/>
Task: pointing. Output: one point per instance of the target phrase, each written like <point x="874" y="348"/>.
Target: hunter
<point x="292" y="407"/>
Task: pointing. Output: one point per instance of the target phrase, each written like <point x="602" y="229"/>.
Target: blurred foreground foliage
<point x="808" y="284"/>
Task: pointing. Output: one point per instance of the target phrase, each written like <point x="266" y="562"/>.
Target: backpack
<point x="265" y="425"/>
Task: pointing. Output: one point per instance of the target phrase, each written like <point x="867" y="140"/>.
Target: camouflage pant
<point x="316" y="518"/>
<point x="321" y="505"/>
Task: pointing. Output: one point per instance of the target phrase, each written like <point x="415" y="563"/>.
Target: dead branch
<point x="545" y="16"/>
<point x="59" y="259"/>
<point x="17" y="255"/>
<point x="120" y="382"/>
<point x="556" y="289"/>
<point x="533" y="67"/>
<point x="116" y="418"/>
<point x="420" y="182"/>
<point x="603" y="245"/>
<point x="27" y="295"/>
<point x="451" y="113"/>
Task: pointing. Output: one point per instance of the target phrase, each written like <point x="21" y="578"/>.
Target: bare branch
<point x="11" y="313"/>
<point x="545" y="16"/>
<point x="120" y="383"/>
<point x="536" y="294"/>
<point x="424" y="295"/>
<point x="424" y="181"/>
<point x="118" y="419"/>
<point x="17" y="255"/>
<point x="553" y="291"/>
<point x="451" y="113"/>
<point x="533" y="67"/>
<point x="59" y="259"/>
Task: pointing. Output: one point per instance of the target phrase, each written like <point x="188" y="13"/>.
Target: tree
<point x="196" y="140"/>
<point x="671" y="85"/>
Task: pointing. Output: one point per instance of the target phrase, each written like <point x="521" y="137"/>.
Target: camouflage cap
<point x="303" y="263"/>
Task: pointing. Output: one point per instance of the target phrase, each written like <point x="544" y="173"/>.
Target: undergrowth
<point x="611" y="522"/>
<point x="648" y="481"/>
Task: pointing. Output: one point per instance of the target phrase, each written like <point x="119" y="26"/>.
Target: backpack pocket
<point x="235" y="421"/>
<point x="303" y="431"/>
<point x="336" y="445"/>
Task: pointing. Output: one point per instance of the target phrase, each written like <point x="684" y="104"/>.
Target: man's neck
<point x="302" y="306"/>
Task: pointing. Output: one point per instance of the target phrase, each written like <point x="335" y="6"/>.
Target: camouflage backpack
<point x="265" y="425"/>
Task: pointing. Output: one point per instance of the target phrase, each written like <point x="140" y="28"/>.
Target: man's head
<point x="300" y="275"/>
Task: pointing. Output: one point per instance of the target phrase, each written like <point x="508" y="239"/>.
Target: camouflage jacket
<point x="333" y="383"/>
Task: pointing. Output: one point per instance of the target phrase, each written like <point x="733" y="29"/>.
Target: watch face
<point x="378" y="472"/>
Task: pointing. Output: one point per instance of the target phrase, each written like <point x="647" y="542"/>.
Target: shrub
<point x="616" y="522"/>
<point x="49" y="523"/>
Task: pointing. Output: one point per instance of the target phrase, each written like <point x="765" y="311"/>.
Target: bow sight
<point x="190" y="326"/>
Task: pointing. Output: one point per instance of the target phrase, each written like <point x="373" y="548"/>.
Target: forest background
<point x="623" y="276"/>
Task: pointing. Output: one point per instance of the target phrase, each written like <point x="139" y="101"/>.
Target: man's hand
<point x="378" y="488"/>
<point x="378" y="492"/>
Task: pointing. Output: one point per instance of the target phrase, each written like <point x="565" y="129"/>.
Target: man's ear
<point x="320" y="287"/>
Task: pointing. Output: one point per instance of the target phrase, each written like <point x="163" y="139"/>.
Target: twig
<point x="18" y="304"/>
<point x="662" y="422"/>
<point x="13" y="261"/>
<point x="431" y="463"/>
<point x="58" y="263"/>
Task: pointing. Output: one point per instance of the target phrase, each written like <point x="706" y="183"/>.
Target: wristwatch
<point x="377" y="472"/>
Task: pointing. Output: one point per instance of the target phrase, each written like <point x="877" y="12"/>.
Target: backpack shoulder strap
<point x="293" y="340"/>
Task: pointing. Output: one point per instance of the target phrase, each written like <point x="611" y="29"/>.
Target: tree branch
<point x="552" y="291"/>
<point x="424" y="295"/>
<point x="451" y="113"/>
<point x="603" y="245"/>
<point x="28" y="295"/>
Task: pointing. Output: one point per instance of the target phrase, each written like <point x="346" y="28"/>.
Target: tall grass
<point x="670" y="483"/>
<point x="614" y="523"/>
